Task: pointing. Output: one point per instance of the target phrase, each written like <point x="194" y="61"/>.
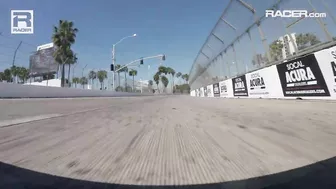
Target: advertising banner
<point x="192" y="93"/>
<point x="239" y="86"/>
<point x="205" y="91"/>
<point x="216" y="90"/>
<point x="197" y="92"/>
<point x="302" y="77"/>
<point x="202" y="92"/>
<point x="327" y="62"/>
<point x="226" y="88"/>
<point x="210" y="90"/>
<point x="264" y="83"/>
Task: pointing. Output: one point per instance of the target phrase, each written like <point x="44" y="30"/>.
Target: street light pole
<point x="113" y="64"/>
<point x="113" y="56"/>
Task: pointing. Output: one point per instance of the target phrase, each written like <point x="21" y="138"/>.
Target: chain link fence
<point x="244" y="39"/>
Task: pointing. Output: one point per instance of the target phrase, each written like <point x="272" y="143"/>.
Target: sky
<point x="176" y="28"/>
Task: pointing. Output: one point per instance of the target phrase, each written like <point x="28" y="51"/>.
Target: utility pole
<point x="14" y="59"/>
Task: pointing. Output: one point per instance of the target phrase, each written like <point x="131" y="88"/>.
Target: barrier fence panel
<point x="244" y="40"/>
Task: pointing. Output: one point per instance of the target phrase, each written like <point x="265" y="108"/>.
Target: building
<point x="289" y="46"/>
<point x="258" y="60"/>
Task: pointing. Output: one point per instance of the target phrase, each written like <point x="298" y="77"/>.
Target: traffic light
<point x="112" y="67"/>
<point x="141" y="61"/>
<point x="164" y="57"/>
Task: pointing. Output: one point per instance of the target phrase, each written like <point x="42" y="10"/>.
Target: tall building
<point x="289" y="46"/>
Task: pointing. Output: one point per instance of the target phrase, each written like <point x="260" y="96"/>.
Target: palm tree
<point x="165" y="82"/>
<point x="75" y="80"/>
<point x="14" y="71"/>
<point x="23" y="74"/>
<point x="63" y="37"/>
<point x="101" y="75"/>
<point x="163" y="70"/>
<point x="150" y="85"/>
<point x="83" y="81"/>
<point x="178" y="75"/>
<point x="125" y="70"/>
<point x="117" y="67"/>
<point x="2" y="76"/>
<point x="92" y="77"/>
<point x="7" y="75"/>
<point x="156" y="78"/>
<point x="73" y="60"/>
<point x="185" y="77"/>
<point x="171" y="71"/>
<point x="133" y="73"/>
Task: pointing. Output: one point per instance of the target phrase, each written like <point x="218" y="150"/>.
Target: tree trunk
<point x="63" y="75"/>
<point x="118" y="79"/>
<point x="75" y="84"/>
<point x="69" y="74"/>
<point x="101" y="85"/>
<point x="125" y="82"/>
<point x="173" y="84"/>
<point x="133" y="83"/>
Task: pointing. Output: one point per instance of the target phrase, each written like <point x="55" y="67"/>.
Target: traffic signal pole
<point x="163" y="57"/>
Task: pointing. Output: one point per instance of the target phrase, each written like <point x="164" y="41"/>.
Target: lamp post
<point x="113" y="56"/>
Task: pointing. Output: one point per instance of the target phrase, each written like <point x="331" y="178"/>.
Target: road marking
<point x="8" y="123"/>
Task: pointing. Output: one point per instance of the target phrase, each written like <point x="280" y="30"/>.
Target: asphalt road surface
<point x="167" y="140"/>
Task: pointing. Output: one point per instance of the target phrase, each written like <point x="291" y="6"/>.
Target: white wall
<point x="49" y="83"/>
<point x="10" y="90"/>
<point x="310" y="77"/>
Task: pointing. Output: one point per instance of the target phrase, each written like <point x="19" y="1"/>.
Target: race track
<point x="165" y="140"/>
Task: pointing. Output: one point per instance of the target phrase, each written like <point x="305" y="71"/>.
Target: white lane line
<point x="7" y="123"/>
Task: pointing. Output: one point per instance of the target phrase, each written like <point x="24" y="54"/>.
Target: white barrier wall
<point x="226" y="89"/>
<point x="263" y="84"/>
<point x="210" y="91"/>
<point x="9" y="90"/>
<point x="327" y="62"/>
<point x="310" y="77"/>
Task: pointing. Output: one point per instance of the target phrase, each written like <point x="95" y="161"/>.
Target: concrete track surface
<point x="169" y="140"/>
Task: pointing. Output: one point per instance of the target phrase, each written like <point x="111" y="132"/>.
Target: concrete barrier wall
<point x="310" y="77"/>
<point x="9" y="90"/>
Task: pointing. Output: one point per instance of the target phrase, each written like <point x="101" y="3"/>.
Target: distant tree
<point x="162" y="70"/>
<point x="8" y="75"/>
<point x="305" y="40"/>
<point x="92" y="76"/>
<point x="2" y="76"/>
<point x="156" y="78"/>
<point x="178" y="75"/>
<point x="125" y="70"/>
<point x="133" y="73"/>
<point x="15" y="72"/>
<point x="150" y="85"/>
<point x="171" y="71"/>
<point x="75" y="80"/>
<point x="102" y="75"/>
<point x="83" y="81"/>
<point x="23" y="74"/>
<point x="185" y="77"/>
<point x="276" y="50"/>
<point x="165" y="81"/>
<point x="117" y="67"/>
